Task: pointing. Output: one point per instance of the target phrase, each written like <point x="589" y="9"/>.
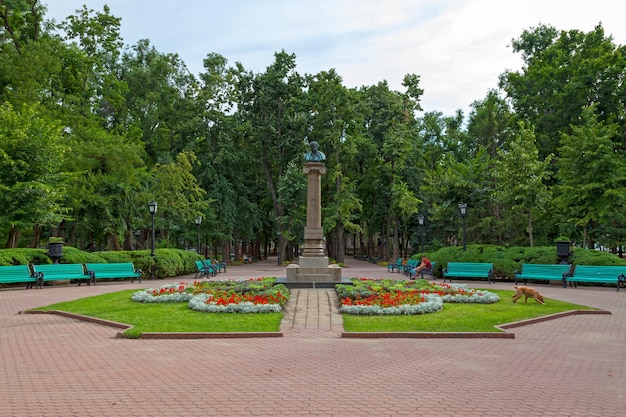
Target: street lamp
<point x="463" y="210"/>
<point x="198" y="223"/>
<point x="420" y="220"/>
<point x="280" y="261"/>
<point x="152" y="206"/>
<point x="137" y="234"/>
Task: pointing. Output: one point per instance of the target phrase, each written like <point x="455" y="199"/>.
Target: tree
<point x="592" y="177"/>
<point x="521" y="179"/>
<point x="176" y="190"/>
<point x="489" y="130"/>
<point x="333" y="122"/>
<point x="564" y="72"/>
<point x="489" y="123"/>
<point x="21" y="22"/>
<point x="272" y="103"/>
<point x="389" y="121"/>
<point x="31" y="183"/>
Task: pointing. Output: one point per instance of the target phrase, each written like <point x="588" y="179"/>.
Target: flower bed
<point x="259" y="295"/>
<point x="393" y="297"/>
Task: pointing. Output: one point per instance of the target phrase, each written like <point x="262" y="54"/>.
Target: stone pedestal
<point x="313" y="264"/>
<point x="314" y="269"/>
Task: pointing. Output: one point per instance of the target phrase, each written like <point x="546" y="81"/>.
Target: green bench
<point x="112" y="271"/>
<point x="409" y="266"/>
<point x="60" y="272"/>
<point x="596" y="275"/>
<point x="395" y="266"/>
<point x="542" y="272"/>
<point x="12" y="274"/>
<point x="468" y="270"/>
<point x="203" y="270"/>
<point x="219" y="266"/>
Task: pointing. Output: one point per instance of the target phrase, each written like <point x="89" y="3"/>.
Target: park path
<point x="57" y="366"/>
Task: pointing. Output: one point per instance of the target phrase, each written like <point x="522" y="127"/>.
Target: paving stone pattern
<point x="58" y="366"/>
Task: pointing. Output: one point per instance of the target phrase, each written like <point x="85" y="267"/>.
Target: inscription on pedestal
<point x="313" y="262"/>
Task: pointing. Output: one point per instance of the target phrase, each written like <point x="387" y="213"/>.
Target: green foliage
<point x="92" y="129"/>
<point x="586" y="197"/>
<point x="595" y="258"/>
<point x="31" y="154"/>
<point x="22" y="256"/>
<point x="75" y="256"/>
<point x="564" y="71"/>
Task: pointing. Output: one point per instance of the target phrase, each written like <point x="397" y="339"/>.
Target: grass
<point x="164" y="317"/>
<point x="177" y="317"/>
<point x="461" y="317"/>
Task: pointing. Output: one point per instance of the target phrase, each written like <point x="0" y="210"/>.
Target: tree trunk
<point x="339" y="243"/>
<point x="13" y="239"/>
<point x="112" y="242"/>
<point x="128" y="240"/>
<point x="396" y="239"/>
<point x="530" y="230"/>
<point x="34" y="242"/>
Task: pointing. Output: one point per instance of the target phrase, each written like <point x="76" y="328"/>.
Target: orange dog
<point x="527" y="292"/>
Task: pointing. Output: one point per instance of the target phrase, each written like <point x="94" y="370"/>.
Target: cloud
<point x="457" y="47"/>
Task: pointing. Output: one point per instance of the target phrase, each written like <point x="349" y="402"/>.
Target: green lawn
<point x="461" y="317"/>
<point x="165" y="317"/>
<point x="177" y="317"/>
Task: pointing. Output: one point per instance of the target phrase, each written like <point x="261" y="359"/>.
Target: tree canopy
<point x="92" y="129"/>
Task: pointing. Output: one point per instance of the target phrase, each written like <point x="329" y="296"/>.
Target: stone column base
<point x="313" y="269"/>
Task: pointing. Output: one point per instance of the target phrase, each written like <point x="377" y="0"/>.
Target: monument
<point x="313" y="265"/>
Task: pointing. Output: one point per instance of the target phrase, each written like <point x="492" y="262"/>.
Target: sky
<point x="458" y="48"/>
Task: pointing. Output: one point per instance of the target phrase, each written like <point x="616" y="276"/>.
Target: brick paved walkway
<point x="57" y="366"/>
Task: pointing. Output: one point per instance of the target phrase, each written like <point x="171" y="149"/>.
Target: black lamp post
<point x="198" y="223"/>
<point x="137" y="234"/>
<point x="152" y="206"/>
<point x="420" y="220"/>
<point x="463" y="210"/>
<point x="279" y="260"/>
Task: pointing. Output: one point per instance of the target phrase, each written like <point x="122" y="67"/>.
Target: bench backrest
<point x="545" y="269"/>
<point x="15" y="273"/>
<point x="60" y="270"/>
<point x="112" y="268"/>
<point x="600" y="271"/>
<point x="11" y="271"/>
<point x="202" y="265"/>
<point x="470" y="267"/>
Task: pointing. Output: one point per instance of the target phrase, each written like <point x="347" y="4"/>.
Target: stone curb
<point x="427" y="335"/>
<point x="550" y="317"/>
<point x="347" y="335"/>
<point x="210" y="335"/>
